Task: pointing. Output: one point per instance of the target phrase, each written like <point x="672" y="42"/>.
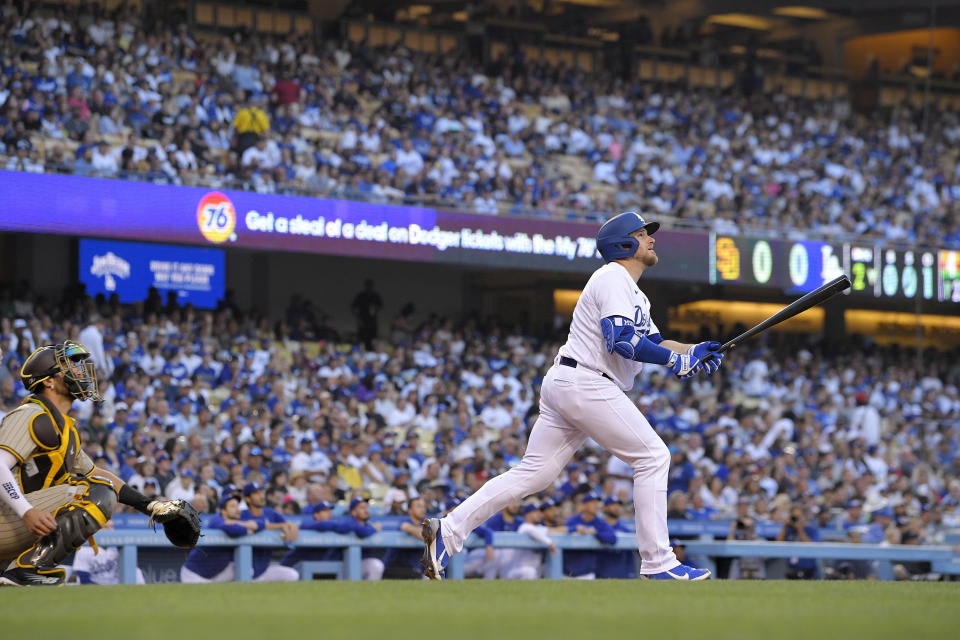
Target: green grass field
<point x="477" y="609"/>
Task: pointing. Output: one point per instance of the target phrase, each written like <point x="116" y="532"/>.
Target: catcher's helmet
<point x="70" y="358"/>
<point x="614" y="240"/>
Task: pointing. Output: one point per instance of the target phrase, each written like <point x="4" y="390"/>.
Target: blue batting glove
<point x="709" y="355"/>
<point x="684" y="365"/>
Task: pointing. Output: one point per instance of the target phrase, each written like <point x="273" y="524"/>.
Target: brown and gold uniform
<point x="53" y="472"/>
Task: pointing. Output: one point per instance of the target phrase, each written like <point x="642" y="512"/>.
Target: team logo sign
<point x="110" y="267"/>
<point x="216" y="217"/>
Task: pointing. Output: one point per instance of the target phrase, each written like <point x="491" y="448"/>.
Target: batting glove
<point x="709" y="355"/>
<point x="684" y="365"/>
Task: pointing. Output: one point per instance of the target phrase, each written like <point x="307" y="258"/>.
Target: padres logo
<point x="216" y="217"/>
<point x="728" y="259"/>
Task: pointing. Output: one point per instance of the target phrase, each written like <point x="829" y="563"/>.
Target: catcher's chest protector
<point x="56" y="449"/>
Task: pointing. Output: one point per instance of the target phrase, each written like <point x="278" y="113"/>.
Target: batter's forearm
<point x="673" y="345"/>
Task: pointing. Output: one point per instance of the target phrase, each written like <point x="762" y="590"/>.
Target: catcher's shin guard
<point x="77" y="521"/>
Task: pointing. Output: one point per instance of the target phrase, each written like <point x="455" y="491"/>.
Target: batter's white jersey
<point x="609" y="292"/>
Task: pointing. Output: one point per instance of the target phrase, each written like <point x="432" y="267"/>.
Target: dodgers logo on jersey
<point x="217" y="218"/>
<point x="640" y="320"/>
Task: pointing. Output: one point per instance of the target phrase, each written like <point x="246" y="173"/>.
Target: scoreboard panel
<point x="800" y="266"/>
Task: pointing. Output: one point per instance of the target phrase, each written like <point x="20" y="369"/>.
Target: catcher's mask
<point x="72" y="360"/>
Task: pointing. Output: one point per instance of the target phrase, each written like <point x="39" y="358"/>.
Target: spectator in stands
<point x="182" y="488"/>
<point x="250" y="124"/>
<point x="366" y="308"/>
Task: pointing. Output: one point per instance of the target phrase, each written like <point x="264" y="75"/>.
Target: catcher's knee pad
<point x="100" y="495"/>
<point x="77" y="521"/>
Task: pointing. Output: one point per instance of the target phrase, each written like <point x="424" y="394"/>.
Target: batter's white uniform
<point x="579" y="403"/>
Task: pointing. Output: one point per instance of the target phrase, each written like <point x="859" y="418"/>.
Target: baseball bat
<point x="812" y="299"/>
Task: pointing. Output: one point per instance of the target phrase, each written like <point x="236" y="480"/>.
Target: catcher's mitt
<point x="180" y="521"/>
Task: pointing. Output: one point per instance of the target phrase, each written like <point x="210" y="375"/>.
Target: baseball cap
<point x="452" y="503"/>
<point x="611" y="500"/>
<point x="677" y="542"/>
<point x="251" y="487"/>
<point x="256" y="451"/>
<point x="163" y="456"/>
<point x="533" y="506"/>
<point x="227" y="497"/>
<point x="323" y="505"/>
<point x="355" y="502"/>
<point x="121" y="406"/>
<point x="546" y="504"/>
<point x="592" y="496"/>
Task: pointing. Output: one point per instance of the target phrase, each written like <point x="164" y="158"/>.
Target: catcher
<point x="52" y="497"/>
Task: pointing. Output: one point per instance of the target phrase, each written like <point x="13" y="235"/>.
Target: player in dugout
<point x="612" y="335"/>
<point x="52" y="497"/>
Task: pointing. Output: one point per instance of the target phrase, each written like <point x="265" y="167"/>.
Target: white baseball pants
<point x="278" y="573"/>
<point x="576" y="404"/>
<point x="189" y="577"/>
<point x="274" y="573"/>
<point x="371" y="569"/>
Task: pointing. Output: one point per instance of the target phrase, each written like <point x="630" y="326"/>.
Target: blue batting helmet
<point x="614" y="240"/>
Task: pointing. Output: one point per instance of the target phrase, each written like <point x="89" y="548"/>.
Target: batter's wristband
<point x="130" y="496"/>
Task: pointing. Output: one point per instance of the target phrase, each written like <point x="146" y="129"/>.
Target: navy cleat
<point x="680" y="572"/>
<point x="434" y="555"/>
<point x="31" y="577"/>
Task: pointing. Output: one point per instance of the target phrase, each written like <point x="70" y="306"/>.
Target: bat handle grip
<point x="723" y="349"/>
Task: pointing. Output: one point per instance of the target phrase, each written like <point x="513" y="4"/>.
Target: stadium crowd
<point x="91" y="93"/>
<point x="199" y="404"/>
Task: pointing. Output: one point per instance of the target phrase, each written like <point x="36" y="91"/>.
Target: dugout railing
<point x="942" y="559"/>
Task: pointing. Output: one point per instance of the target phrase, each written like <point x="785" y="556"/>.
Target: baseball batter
<point x="611" y="336"/>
